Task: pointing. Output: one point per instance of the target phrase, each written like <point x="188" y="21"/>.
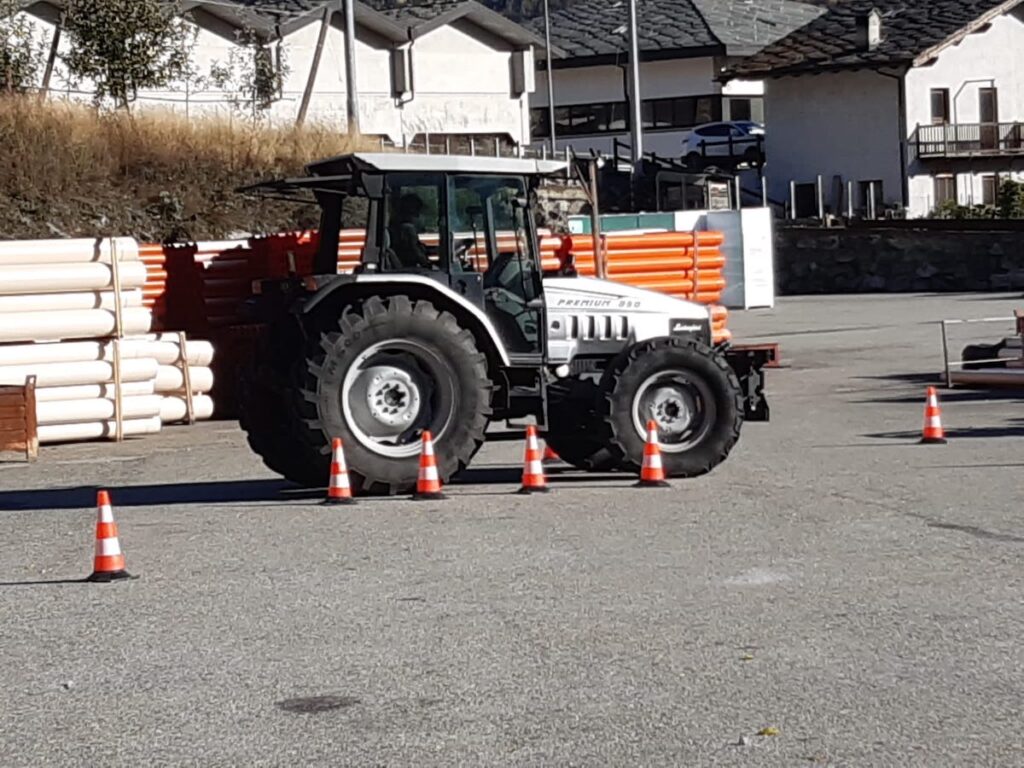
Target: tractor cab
<point x="465" y="223"/>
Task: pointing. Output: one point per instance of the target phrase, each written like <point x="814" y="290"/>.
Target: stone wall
<point x="898" y="259"/>
<point x="557" y="201"/>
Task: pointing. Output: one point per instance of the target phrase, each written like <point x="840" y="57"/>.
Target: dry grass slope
<point x="71" y="171"/>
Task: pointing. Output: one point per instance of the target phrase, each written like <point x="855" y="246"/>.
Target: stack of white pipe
<point x="57" y="302"/>
<point x="64" y="289"/>
<point x="170" y="376"/>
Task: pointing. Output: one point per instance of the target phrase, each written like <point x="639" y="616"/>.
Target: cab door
<point x="492" y="236"/>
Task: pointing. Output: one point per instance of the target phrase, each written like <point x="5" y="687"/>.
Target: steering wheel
<point x="461" y="251"/>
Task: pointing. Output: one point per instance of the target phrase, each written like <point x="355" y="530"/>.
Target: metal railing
<point x="968" y="139"/>
<point x="955" y="370"/>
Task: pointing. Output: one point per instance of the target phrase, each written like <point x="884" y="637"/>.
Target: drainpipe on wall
<point x="901" y="99"/>
<point x="351" y="97"/>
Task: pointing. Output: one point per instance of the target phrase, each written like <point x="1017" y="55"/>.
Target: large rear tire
<point x="574" y="426"/>
<point x="270" y="410"/>
<point x="394" y="369"/>
<point x="688" y="389"/>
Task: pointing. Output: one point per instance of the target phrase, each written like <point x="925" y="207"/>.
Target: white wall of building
<point x="461" y="78"/>
<point x="843" y="124"/>
<point x="658" y="79"/>
<point x="993" y="58"/>
<point x="462" y="84"/>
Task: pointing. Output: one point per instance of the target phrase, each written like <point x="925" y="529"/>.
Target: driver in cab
<point x="405" y="234"/>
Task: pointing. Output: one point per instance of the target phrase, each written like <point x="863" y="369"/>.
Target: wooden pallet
<point x="18" y="430"/>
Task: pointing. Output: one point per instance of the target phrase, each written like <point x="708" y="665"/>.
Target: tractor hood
<point x="595" y="317"/>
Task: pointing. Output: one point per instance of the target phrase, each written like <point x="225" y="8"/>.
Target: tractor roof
<point x="391" y="162"/>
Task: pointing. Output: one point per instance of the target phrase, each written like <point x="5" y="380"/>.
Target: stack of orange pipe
<point x="155" y="290"/>
<point x="682" y="264"/>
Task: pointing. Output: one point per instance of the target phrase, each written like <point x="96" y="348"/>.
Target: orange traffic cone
<point x="533" y="468"/>
<point x="550" y="455"/>
<point x="652" y="475"/>
<point x="428" y="484"/>
<point x="108" y="564"/>
<point x="339" y="491"/>
<point x="932" y="433"/>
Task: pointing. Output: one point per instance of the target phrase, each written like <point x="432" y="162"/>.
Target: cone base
<point x="933" y="441"/>
<point x="527" y="489"/>
<point x="428" y="496"/>
<point x="333" y="501"/>
<point x="651" y="484"/>
<point x="105" y="577"/>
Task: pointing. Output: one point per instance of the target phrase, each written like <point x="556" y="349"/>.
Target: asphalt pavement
<point x="851" y="595"/>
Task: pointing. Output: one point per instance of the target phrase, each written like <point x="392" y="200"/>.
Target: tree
<point x="253" y="74"/>
<point x="22" y="50"/>
<point x="124" y="46"/>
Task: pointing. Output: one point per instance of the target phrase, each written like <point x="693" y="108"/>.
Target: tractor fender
<point x="417" y="287"/>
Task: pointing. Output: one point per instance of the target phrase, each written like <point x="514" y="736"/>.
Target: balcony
<point x="966" y="140"/>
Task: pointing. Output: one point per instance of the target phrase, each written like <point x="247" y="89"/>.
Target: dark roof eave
<point x="823" y="68"/>
<point x="603" y="59"/>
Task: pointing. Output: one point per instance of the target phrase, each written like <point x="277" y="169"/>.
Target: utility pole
<point x="351" y="96"/>
<point x="635" y="126"/>
<point x="551" y="85"/>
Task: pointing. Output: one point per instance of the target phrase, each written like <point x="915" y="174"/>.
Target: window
<point x="989" y="189"/>
<point x="414" y="223"/>
<point x="683" y="112"/>
<point x="486" y="217"/>
<point x="745" y="108"/>
<point x="739" y="109"/>
<point x="945" y="189"/>
<point x="612" y="116"/>
<point x="940" y="106"/>
<point x="580" y="119"/>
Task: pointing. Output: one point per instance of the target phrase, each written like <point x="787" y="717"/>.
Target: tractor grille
<point x="593" y="327"/>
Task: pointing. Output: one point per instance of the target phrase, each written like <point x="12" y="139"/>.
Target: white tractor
<point x="449" y="324"/>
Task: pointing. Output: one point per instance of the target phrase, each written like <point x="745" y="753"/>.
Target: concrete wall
<point x="871" y="260"/>
<point x="658" y="79"/>
<point x="994" y="57"/>
<point x="843" y="124"/>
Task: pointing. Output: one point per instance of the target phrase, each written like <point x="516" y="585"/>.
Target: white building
<point x="684" y="45"/>
<point x="920" y="100"/>
<point x="451" y="71"/>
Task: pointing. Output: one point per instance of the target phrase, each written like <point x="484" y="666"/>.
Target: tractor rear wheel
<point x="269" y="410"/>
<point x="574" y="426"/>
<point x="394" y="369"/>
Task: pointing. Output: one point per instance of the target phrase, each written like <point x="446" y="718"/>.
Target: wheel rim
<point x="680" y="404"/>
<point x="393" y="392"/>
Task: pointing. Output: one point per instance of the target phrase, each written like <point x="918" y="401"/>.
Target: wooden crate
<point x="18" y="430"/>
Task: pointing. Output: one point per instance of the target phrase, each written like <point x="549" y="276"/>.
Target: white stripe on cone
<point x="654" y="461"/>
<point x="934" y="421"/>
<point x="428" y="473"/>
<point x="339" y="481"/>
<point x="106" y="514"/>
<point x="428" y="448"/>
<point x="107" y="547"/>
<point x="533" y="467"/>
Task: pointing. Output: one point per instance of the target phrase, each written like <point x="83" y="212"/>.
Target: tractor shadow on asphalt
<point x="268" y="491"/>
<point x="215" y="492"/>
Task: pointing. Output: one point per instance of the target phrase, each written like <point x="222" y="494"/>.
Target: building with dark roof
<point x="684" y="44"/>
<point x="451" y="72"/>
<point x="921" y="101"/>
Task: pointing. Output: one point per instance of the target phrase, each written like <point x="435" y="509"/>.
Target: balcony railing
<point x="969" y="140"/>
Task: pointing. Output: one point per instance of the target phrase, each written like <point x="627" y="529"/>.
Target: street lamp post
<point x="635" y="127"/>
<point x="551" y="86"/>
